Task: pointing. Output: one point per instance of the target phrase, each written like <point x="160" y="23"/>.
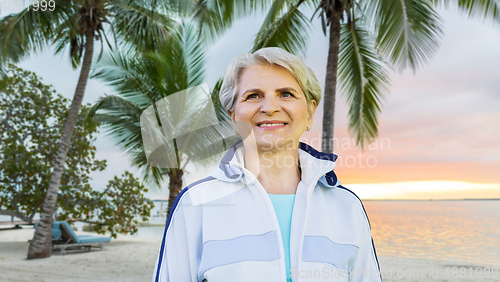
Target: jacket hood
<point x="312" y="164"/>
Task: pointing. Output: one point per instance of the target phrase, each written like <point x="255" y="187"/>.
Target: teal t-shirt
<point x="283" y="206"/>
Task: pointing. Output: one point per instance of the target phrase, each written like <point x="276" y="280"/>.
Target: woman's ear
<point x="233" y="117"/>
<point x="312" y="108"/>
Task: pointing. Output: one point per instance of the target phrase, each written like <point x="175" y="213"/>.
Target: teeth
<point x="271" y="124"/>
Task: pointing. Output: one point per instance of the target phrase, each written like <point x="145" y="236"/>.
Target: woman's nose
<point x="270" y="105"/>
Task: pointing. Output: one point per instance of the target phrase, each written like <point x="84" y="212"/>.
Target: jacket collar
<point x="312" y="163"/>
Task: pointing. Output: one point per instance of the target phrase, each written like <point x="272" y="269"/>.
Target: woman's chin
<point x="272" y="142"/>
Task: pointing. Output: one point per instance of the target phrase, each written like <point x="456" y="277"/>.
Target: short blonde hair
<point x="268" y="56"/>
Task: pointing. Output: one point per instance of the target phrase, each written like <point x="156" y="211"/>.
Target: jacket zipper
<point x="302" y="227"/>
<point x="274" y="219"/>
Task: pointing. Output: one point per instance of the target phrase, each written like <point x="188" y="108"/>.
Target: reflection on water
<point x="456" y="230"/>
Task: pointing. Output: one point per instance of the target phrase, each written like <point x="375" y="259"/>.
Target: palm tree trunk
<point x="41" y="245"/>
<point x="331" y="84"/>
<point x="174" y="186"/>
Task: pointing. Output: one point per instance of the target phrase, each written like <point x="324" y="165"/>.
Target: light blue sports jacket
<point x="223" y="228"/>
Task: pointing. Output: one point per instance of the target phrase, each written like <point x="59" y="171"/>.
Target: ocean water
<point x="467" y="231"/>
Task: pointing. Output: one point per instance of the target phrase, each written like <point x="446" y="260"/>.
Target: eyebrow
<point x="283" y="89"/>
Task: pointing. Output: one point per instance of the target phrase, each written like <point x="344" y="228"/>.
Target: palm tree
<point x="77" y="24"/>
<point x="143" y="81"/>
<point x="365" y="37"/>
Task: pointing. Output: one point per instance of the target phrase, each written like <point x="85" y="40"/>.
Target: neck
<point x="277" y="170"/>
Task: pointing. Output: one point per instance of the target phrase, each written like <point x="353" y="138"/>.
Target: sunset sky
<point x="439" y="130"/>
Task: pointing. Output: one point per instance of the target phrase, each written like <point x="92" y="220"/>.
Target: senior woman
<point x="273" y="210"/>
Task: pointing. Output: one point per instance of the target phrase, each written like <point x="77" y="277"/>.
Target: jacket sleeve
<point x="181" y="247"/>
<point x="366" y="267"/>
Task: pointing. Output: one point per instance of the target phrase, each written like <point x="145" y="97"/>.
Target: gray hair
<point x="268" y="56"/>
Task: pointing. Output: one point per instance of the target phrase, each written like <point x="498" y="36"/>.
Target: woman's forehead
<point x="275" y="77"/>
<point x="266" y="70"/>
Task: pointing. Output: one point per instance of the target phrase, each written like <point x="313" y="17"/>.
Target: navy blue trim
<point x="174" y="206"/>
<point x="331" y="178"/>
<point x="316" y="154"/>
<point x="373" y="245"/>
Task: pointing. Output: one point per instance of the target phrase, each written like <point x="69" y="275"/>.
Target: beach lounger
<point x="68" y="240"/>
<point x="56" y="232"/>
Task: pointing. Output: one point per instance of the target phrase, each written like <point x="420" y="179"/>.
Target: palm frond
<point x="214" y="17"/>
<point x="125" y="70"/>
<point x="28" y="31"/>
<point x="407" y="31"/>
<point x="67" y="35"/>
<point x="117" y="105"/>
<point x="194" y="54"/>
<point x="171" y="8"/>
<point x="476" y="9"/>
<point x="181" y="63"/>
<point x="181" y="8"/>
<point x="127" y="135"/>
<point x="123" y="129"/>
<point x="277" y="8"/>
<point x="312" y="4"/>
<point x="363" y="81"/>
<point x="222" y="115"/>
<point x="169" y="66"/>
<point x="484" y="9"/>
<point x="145" y="28"/>
<point x="289" y="31"/>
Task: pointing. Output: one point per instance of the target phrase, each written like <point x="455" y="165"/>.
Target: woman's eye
<point x="287" y="94"/>
<point x="252" y="96"/>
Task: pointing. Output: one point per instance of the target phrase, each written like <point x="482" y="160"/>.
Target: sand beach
<point x="126" y="258"/>
<point x="130" y="258"/>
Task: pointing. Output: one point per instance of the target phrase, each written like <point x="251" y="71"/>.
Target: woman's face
<point x="272" y="106"/>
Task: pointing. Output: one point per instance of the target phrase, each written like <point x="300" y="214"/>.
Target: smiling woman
<point x="273" y="210"/>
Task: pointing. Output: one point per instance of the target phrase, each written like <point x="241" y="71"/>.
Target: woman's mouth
<point x="271" y="125"/>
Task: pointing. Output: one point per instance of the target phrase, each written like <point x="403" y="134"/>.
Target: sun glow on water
<point x="421" y="190"/>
